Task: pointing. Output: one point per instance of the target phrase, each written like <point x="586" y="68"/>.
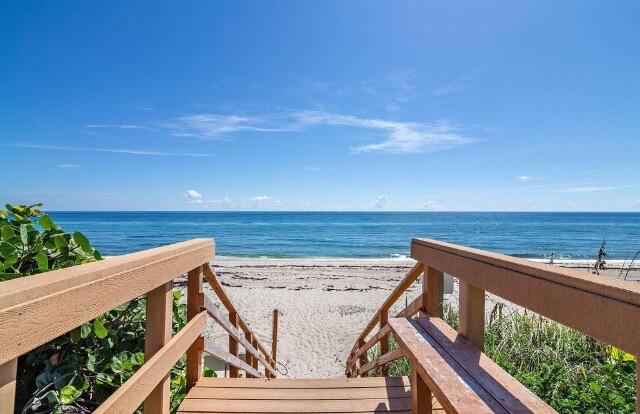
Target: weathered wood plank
<point x="548" y="290"/>
<point x="453" y="386"/>
<point x="230" y="359"/>
<point x="157" y="334"/>
<point x="296" y="406"/>
<point x="78" y="294"/>
<point x="350" y="393"/>
<point x="307" y="383"/>
<point x="511" y="394"/>
<point x="233" y="344"/>
<point x="432" y="291"/>
<point x="133" y="392"/>
<point x="219" y="317"/>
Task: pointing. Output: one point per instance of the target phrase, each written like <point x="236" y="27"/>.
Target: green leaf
<point x="43" y="263"/>
<point x="7" y="249"/>
<point x="99" y="329"/>
<point x="7" y="232"/>
<point x="74" y="336"/>
<point x="60" y="242"/>
<point x="68" y="394"/>
<point x="85" y="330"/>
<point x="47" y="223"/>
<point x="24" y="234"/>
<point x="208" y="372"/>
<point x="82" y="241"/>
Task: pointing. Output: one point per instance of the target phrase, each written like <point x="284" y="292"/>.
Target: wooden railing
<point x="35" y="310"/>
<point x="604" y="308"/>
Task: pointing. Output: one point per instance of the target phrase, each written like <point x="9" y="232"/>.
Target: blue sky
<point x="333" y="105"/>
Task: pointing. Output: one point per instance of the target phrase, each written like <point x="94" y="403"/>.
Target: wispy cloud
<point x="118" y="126"/>
<point x="524" y="178"/>
<point x="258" y="202"/>
<point x="402" y="137"/>
<point x="69" y="166"/>
<point x="109" y="150"/>
<point x="396" y="136"/>
<point x="209" y="126"/>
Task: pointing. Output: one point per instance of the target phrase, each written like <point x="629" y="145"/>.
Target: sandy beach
<point x="323" y="304"/>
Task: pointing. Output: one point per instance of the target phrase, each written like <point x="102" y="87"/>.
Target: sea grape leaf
<point x="68" y="394"/>
<point x="99" y="329"/>
<point x="82" y="241"/>
<point x="43" y="263"/>
<point x="24" y="234"/>
<point x="46" y="222"/>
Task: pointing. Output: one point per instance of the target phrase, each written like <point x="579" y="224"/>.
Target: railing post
<point x="254" y="360"/>
<point x="195" y="302"/>
<point x="233" y="344"/>
<point x="420" y="393"/>
<point x="432" y="282"/>
<point x="384" y="342"/>
<point x="274" y="338"/>
<point x="248" y="358"/>
<point x="363" y="358"/>
<point x="8" y="372"/>
<point x="471" y="305"/>
<point x="157" y="334"/>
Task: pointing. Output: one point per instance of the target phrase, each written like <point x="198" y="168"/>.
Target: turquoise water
<point x="361" y="235"/>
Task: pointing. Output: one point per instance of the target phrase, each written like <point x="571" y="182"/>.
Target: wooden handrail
<point x="35" y="310"/>
<point x="361" y="346"/>
<point x="226" y="302"/>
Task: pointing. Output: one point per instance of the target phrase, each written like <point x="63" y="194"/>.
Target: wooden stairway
<point x="334" y="395"/>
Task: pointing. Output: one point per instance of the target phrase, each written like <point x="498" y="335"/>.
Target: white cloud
<point x="260" y="198"/>
<point x="193" y="194"/>
<point x="402" y="137"/>
<point x="312" y="168"/>
<point x="69" y="166"/>
<point x="524" y="178"/>
<point x="208" y="126"/>
<point x="117" y="126"/>
<point x="108" y="150"/>
<point x="431" y="206"/>
<point x="381" y="202"/>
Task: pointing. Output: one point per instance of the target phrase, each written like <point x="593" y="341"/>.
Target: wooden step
<point x="331" y="395"/>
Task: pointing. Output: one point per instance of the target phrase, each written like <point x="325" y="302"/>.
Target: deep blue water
<point x="360" y="235"/>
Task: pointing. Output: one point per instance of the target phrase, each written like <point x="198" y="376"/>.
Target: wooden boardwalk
<point x="334" y="395"/>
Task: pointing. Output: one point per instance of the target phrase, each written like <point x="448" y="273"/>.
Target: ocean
<point x="572" y="236"/>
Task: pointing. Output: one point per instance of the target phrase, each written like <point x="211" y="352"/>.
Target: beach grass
<point x="570" y="371"/>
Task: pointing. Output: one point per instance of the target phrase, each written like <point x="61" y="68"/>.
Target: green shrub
<point x="570" y="371"/>
<point x="78" y="370"/>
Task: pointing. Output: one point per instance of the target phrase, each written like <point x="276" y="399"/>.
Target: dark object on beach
<point x="551" y="257"/>
<point x="600" y="263"/>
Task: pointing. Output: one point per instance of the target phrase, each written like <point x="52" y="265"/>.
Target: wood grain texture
<point x="40" y="309"/>
<point x="421" y="395"/>
<point x="384" y="342"/>
<point x="452" y="385"/>
<point x="348" y="393"/>
<point x="134" y="391"/>
<point x="471" y="314"/>
<point x="548" y="290"/>
<point x="432" y="288"/>
<point x="512" y="395"/>
<point x="274" y="337"/>
<point x="305" y="383"/>
<point x="8" y="372"/>
<point x="230" y="359"/>
<point x="195" y="303"/>
<point x="157" y="334"/>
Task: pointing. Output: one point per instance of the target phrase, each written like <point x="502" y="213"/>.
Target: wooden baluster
<point x="637" y="384"/>
<point x="471" y="305"/>
<point x="248" y="358"/>
<point x="274" y="339"/>
<point x="421" y="398"/>
<point x="384" y="342"/>
<point x="254" y="360"/>
<point x="8" y="372"/>
<point x="195" y="301"/>
<point x="432" y="287"/>
<point x="363" y="358"/>
<point x="157" y="334"/>
<point x="233" y="345"/>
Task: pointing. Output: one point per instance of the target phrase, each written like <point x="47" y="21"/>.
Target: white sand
<point x="324" y="305"/>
